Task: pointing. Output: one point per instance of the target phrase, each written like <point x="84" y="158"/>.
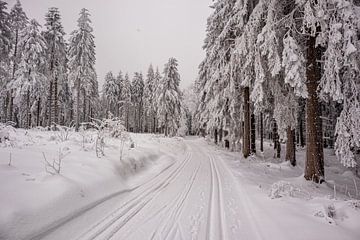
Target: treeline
<point x="151" y="104"/>
<point x="46" y="80"/>
<point x="286" y="70"/>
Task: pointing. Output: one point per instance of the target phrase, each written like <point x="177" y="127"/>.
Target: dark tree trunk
<point x="314" y="165"/>
<point x="253" y="134"/>
<point x="49" y="103"/>
<point x="84" y="107"/>
<point x="38" y="113"/>
<point x="220" y="135"/>
<point x="261" y="133"/>
<point x="78" y="105"/>
<point x="166" y="125"/>
<point x="290" y="146"/>
<point x="216" y="136"/>
<point x="55" y="106"/>
<point x="28" y="119"/>
<point x="277" y="145"/>
<point x="246" y="133"/>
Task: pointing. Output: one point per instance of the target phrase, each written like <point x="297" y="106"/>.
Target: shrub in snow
<point x="54" y="167"/>
<point x="355" y="204"/>
<point x="328" y="213"/>
<point x="282" y="189"/>
<point x="63" y="132"/>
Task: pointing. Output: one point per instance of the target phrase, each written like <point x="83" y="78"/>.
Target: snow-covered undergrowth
<point x="333" y="208"/>
<point x="35" y="197"/>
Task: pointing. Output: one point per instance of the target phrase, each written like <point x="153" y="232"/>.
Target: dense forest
<point x="286" y="71"/>
<point x="279" y="70"/>
<point x="47" y="80"/>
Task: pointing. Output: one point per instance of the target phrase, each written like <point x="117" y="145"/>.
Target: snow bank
<point x="34" y="200"/>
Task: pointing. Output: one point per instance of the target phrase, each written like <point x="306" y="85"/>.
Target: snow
<point x="36" y="200"/>
<point x="168" y="188"/>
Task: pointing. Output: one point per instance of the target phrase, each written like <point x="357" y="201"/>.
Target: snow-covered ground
<point x="166" y="189"/>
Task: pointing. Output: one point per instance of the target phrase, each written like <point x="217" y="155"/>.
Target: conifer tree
<point x="56" y="57"/>
<point x="29" y="82"/>
<point x="169" y="98"/>
<point x="5" y="47"/>
<point x="82" y="65"/>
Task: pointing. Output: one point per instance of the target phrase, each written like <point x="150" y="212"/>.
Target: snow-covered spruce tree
<point x="126" y="102"/>
<point x="217" y="76"/>
<point x="110" y="94"/>
<point x="340" y="32"/>
<point x="119" y="103"/>
<point x="82" y="65"/>
<point x="155" y="107"/>
<point x="149" y="100"/>
<point x="29" y="82"/>
<point x="18" y="20"/>
<point x="56" y="62"/>
<point x="5" y="47"/>
<point x="169" y="98"/>
<point x="137" y="99"/>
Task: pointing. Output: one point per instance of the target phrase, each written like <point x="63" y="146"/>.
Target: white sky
<point x="131" y="34"/>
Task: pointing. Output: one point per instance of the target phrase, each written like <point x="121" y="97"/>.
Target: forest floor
<point x="167" y="188"/>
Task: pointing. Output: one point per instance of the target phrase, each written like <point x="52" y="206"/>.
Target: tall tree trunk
<point x="290" y="146"/>
<point x="84" y="107"/>
<point x="261" y="133"/>
<point x="55" y="106"/>
<point x="78" y="105"/>
<point x="220" y="135"/>
<point x="10" y="110"/>
<point x="246" y="134"/>
<point x="28" y="109"/>
<point x="49" y="103"/>
<point x="253" y="134"/>
<point x="166" y="125"/>
<point x="277" y="145"/>
<point x="38" y="112"/>
<point x="314" y="164"/>
<point x="216" y="136"/>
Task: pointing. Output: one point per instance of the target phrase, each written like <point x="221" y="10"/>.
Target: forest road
<point x="195" y="198"/>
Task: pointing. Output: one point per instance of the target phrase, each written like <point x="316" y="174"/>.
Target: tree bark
<point x="253" y="134"/>
<point x="314" y="164"/>
<point x="277" y="145"/>
<point x="28" y="110"/>
<point x="215" y="136"/>
<point x="290" y="146"/>
<point x="246" y="134"/>
<point x="38" y="113"/>
<point x="261" y="133"/>
<point x="78" y="105"/>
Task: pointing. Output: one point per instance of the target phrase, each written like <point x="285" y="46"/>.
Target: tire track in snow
<point x="118" y="218"/>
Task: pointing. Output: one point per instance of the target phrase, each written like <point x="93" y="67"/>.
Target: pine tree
<point x="82" y="65"/>
<point x="149" y="100"/>
<point x="126" y="101"/>
<point x="56" y="56"/>
<point x="110" y="94"/>
<point x="137" y="99"/>
<point x="5" y="47"/>
<point x="29" y="82"/>
<point x="169" y="98"/>
<point x="18" y="20"/>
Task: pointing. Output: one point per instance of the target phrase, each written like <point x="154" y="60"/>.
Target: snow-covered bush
<point x="282" y="189"/>
<point x="63" y="132"/>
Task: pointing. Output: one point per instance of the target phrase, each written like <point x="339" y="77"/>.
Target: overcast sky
<point x="131" y="34"/>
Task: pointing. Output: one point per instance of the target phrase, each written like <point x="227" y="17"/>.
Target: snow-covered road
<point x="195" y="198"/>
<point x="207" y="193"/>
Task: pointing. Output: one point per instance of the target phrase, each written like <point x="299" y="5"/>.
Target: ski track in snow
<point x="197" y="197"/>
